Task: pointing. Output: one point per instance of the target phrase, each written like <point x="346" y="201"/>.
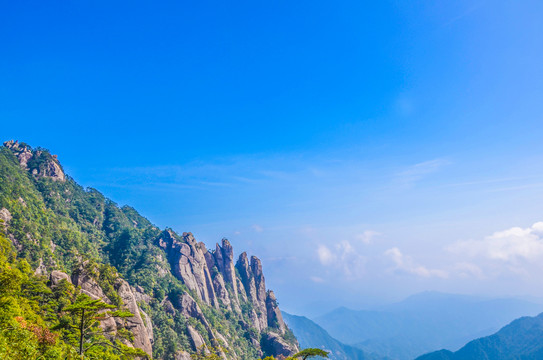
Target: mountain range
<point x="311" y="335"/>
<point x="59" y="240"/>
<point x="522" y="339"/>
<point x="422" y="323"/>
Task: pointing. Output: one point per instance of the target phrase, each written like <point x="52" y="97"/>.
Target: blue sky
<point x="364" y="150"/>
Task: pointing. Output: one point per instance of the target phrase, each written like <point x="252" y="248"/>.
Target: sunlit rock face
<point x="218" y="303"/>
<point x="39" y="162"/>
<point x="217" y="281"/>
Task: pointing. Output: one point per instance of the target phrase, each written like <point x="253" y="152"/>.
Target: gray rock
<point x="247" y="277"/>
<point x="41" y="269"/>
<point x="223" y="341"/>
<point x="275" y="318"/>
<point x="190" y="309"/>
<point x="57" y="276"/>
<point x="196" y="339"/>
<point x="88" y="285"/>
<point x="50" y="168"/>
<point x="260" y="284"/>
<point x="273" y="343"/>
<point x="148" y="325"/>
<point x="5" y="218"/>
<point x="140" y="295"/>
<point x="224" y="258"/>
<point x="168" y="306"/>
<point x="189" y="264"/>
<point x="183" y="355"/>
<point x="135" y="323"/>
<point x="221" y="291"/>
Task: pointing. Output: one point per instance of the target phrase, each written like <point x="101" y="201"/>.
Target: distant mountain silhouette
<point x="311" y="335"/>
<point x="520" y="340"/>
<point x="423" y="322"/>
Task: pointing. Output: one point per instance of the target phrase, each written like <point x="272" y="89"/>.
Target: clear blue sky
<point x="366" y="150"/>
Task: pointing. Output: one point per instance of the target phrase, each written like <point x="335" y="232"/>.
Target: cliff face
<point x="184" y="297"/>
<point x="218" y="283"/>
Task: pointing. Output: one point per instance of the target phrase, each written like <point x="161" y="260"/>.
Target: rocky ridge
<point x="38" y="162"/>
<point x="212" y="278"/>
<point x="216" y="281"/>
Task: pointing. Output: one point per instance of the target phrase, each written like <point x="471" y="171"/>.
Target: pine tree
<point x="88" y="313"/>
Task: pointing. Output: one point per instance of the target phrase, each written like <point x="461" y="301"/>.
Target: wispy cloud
<point x="316" y="279"/>
<point x="468" y="270"/>
<point x="343" y="257"/>
<point x="368" y="236"/>
<point x="409" y="176"/>
<point x="464" y="14"/>
<point x="257" y="228"/>
<point x="404" y="263"/>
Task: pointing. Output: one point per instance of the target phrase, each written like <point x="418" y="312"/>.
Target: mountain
<point x="311" y="335"/>
<point x="521" y="339"/>
<point x="422" y="323"/>
<point x="58" y="240"/>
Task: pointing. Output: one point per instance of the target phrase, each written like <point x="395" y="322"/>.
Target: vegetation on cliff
<point x="68" y="241"/>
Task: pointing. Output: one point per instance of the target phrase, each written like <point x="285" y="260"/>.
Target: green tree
<point x="309" y="353"/>
<point x="88" y="313"/>
<point x="203" y="354"/>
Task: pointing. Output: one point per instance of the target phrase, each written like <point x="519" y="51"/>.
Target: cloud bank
<point x="512" y="245"/>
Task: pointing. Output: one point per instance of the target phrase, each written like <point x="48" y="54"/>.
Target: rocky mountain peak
<point x="154" y="274"/>
<point x="39" y="162"/>
<point x="216" y="281"/>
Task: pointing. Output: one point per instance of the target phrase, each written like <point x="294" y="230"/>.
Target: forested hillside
<point x="65" y="248"/>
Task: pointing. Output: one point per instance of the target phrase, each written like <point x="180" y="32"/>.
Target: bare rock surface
<point x="5" y="218"/>
<point x="273" y="343"/>
<point x="196" y="339"/>
<point x="48" y="167"/>
<point x="57" y="276"/>
<point x="183" y="355"/>
<point x="134" y="323"/>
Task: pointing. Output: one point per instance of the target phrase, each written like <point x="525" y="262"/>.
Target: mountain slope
<point x="521" y="339"/>
<point x="311" y="335"/>
<point x="183" y="296"/>
<point x="423" y="323"/>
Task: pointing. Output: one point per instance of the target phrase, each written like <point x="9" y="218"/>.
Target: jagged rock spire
<point x="213" y="277"/>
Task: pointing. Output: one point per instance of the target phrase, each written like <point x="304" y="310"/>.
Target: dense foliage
<point x="39" y="322"/>
<point x="60" y="225"/>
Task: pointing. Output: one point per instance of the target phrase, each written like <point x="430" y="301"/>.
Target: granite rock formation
<point x="212" y="299"/>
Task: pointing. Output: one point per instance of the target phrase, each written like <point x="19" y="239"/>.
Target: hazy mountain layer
<point x="520" y="340"/>
<point x="311" y="335"/>
<point x="423" y="323"/>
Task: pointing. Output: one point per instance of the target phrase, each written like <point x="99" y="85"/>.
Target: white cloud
<point x="342" y="257"/>
<point x="258" y="228"/>
<point x="316" y="279"/>
<point x="368" y="236"/>
<point x="326" y="257"/>
<point x="511" y="245"/>
<point x="465" y="269"/>
<point x="406" y="264"/>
